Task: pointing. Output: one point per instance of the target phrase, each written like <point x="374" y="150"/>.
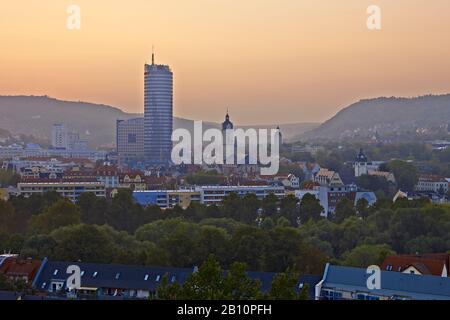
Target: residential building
<point x="19" y="269"/>
<point x="327" y="177"/>
<point x="158" y="113"/>
<point x="113" y="281"/>
<point x="68" y="189"/>
<point x="216" y="194"/>
<point x="134" y="180"/>
<point x="108" y="175"/>
<point x="207" y="195"/>
<point x="436" y="264"/>
<point x="432" y="183"/>
<point x="167" y="198"/>
<point x="389" y="176"/>
<point x="347" y="283"/>
<point x="130" y="142"/>
<point x="329" y="197"/>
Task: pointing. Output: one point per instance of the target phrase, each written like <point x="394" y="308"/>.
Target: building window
<point x="132" y="138"/>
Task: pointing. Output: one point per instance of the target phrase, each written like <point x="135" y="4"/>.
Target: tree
<point x="251" y="246"/>
<point x="406" y="174"/>
<point x="362" y="208"/>
<point x="269" y="205"/>
<point x="289" y="209"/>
<point x="366" y="255"/>
<point x="82" y="243"/>
<point x="231" y="205"/>
<point x="125" y="214"/>
<point x="267" y="224"/>
<point x="39" y="246"/>
<point x="284" y="287"/>
<point x="213" y="240"/>
<point x="310" y="208"/>
<point x="168" y="290"/>
<point x="375" y="184"/>
<point x="8" y="178"/>
<point x="61" y="213"/>
<point x="304" y="293"/>
<point x="344" y="210"/>
<point x="249" y="209"/>
<point x="205" y="284"/>
<point x="238" y="286"/>
<point x="93" y="209"/>
<point x="7" y="217"/>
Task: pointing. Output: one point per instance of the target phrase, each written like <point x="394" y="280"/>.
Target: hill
<point x="35" y="115"/>
<point x="388" y="117"/>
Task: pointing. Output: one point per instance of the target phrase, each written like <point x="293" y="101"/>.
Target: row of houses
<point x="409" y="277"/>
<point x="49" y="279"/>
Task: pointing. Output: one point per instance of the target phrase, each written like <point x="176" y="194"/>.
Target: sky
<point x="267" y="61"/>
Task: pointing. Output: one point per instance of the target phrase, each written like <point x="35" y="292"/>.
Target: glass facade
<point x="158" y="114"/>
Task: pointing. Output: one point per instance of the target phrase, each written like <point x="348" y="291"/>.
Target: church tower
<point x="361" y="164"/>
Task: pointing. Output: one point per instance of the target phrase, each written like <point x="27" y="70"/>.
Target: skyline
<point x="320" y="57"/>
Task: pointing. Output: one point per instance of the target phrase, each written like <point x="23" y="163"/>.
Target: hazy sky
<point x="268" y="61"/>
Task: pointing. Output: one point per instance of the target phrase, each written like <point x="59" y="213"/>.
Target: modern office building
<point x="158" y="113"/>
<point x="130" y="141"/>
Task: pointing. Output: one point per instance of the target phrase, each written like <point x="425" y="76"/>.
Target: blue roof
<point x="368" y="195"/>
<point x="104" y="275"/>
<point x="133" y="277"/>
<point x="420" y="287"/>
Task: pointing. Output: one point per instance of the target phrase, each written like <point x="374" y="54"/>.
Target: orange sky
<point x="266" y="60"/>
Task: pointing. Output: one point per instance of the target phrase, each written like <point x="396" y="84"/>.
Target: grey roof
<point x="129" y="277"/>
<point x="133" y="277"/>
<point x="420" y="287"/>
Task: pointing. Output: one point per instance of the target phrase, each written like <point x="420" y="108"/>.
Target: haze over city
<point x="305" y="59"/>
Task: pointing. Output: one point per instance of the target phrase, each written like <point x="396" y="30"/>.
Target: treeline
<point x="270" y="235"/>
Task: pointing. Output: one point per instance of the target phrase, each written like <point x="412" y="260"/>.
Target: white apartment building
<point x="70" y="190"/>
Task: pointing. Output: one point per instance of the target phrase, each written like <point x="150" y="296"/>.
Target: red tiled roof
<point x="431" y="178"/>
<point x="432" y="264"/>
<point x="20" y="268"/>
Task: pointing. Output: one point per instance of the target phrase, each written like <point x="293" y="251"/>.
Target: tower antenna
<point x="153" y="55"/>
